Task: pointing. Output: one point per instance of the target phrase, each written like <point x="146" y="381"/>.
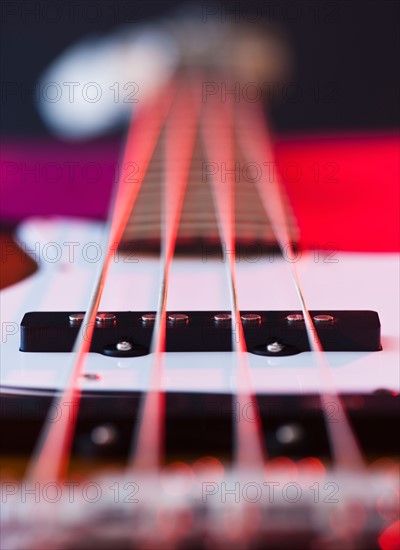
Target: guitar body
<point x="235" y="382"/>
<point x="201" y="407"/>
<point x="343" y="281"/>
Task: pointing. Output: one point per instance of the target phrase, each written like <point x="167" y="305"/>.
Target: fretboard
<point x="198" y="225"/>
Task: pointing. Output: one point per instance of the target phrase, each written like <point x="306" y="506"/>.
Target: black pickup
<point x="272" y="333"/>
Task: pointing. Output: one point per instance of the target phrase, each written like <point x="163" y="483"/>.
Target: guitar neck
<point x="198" y="223"/>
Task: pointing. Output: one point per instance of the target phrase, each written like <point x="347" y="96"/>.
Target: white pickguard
<point x="355" y="281"/>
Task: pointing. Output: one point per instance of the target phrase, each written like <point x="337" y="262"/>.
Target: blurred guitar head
<point x="115" y="73"/>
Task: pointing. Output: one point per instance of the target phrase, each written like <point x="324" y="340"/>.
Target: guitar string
<point x="249" y="451"/>
<point x="55" y="443"/>
<point x="180" y="135"/>
<point x="256" y="146"/>
<point x="218" y="135"/>
<point x="51" y="455"/>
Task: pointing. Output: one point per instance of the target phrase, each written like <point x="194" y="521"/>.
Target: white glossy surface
<point x="356" y="281"/>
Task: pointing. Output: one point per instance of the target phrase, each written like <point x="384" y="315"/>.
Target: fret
<point x="198" y="222"/>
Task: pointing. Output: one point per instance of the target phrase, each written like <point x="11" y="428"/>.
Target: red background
<point x="344" y="190"/>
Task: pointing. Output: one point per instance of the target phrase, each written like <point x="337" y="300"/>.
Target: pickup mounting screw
<point x="124" y="345"/>
<point x="275" y="347"/>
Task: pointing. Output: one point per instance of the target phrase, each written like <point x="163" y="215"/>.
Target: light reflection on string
<point x="256" y="147"/>
<point x="51" y="457"/>
<point x="218" y="132"/>
<point x="180" y="135"/>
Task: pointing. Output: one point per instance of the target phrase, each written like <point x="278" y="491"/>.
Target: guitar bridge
<point x="270" y="333"/>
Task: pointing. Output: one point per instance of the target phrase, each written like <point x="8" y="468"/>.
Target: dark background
<point x="346" y="55"/>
